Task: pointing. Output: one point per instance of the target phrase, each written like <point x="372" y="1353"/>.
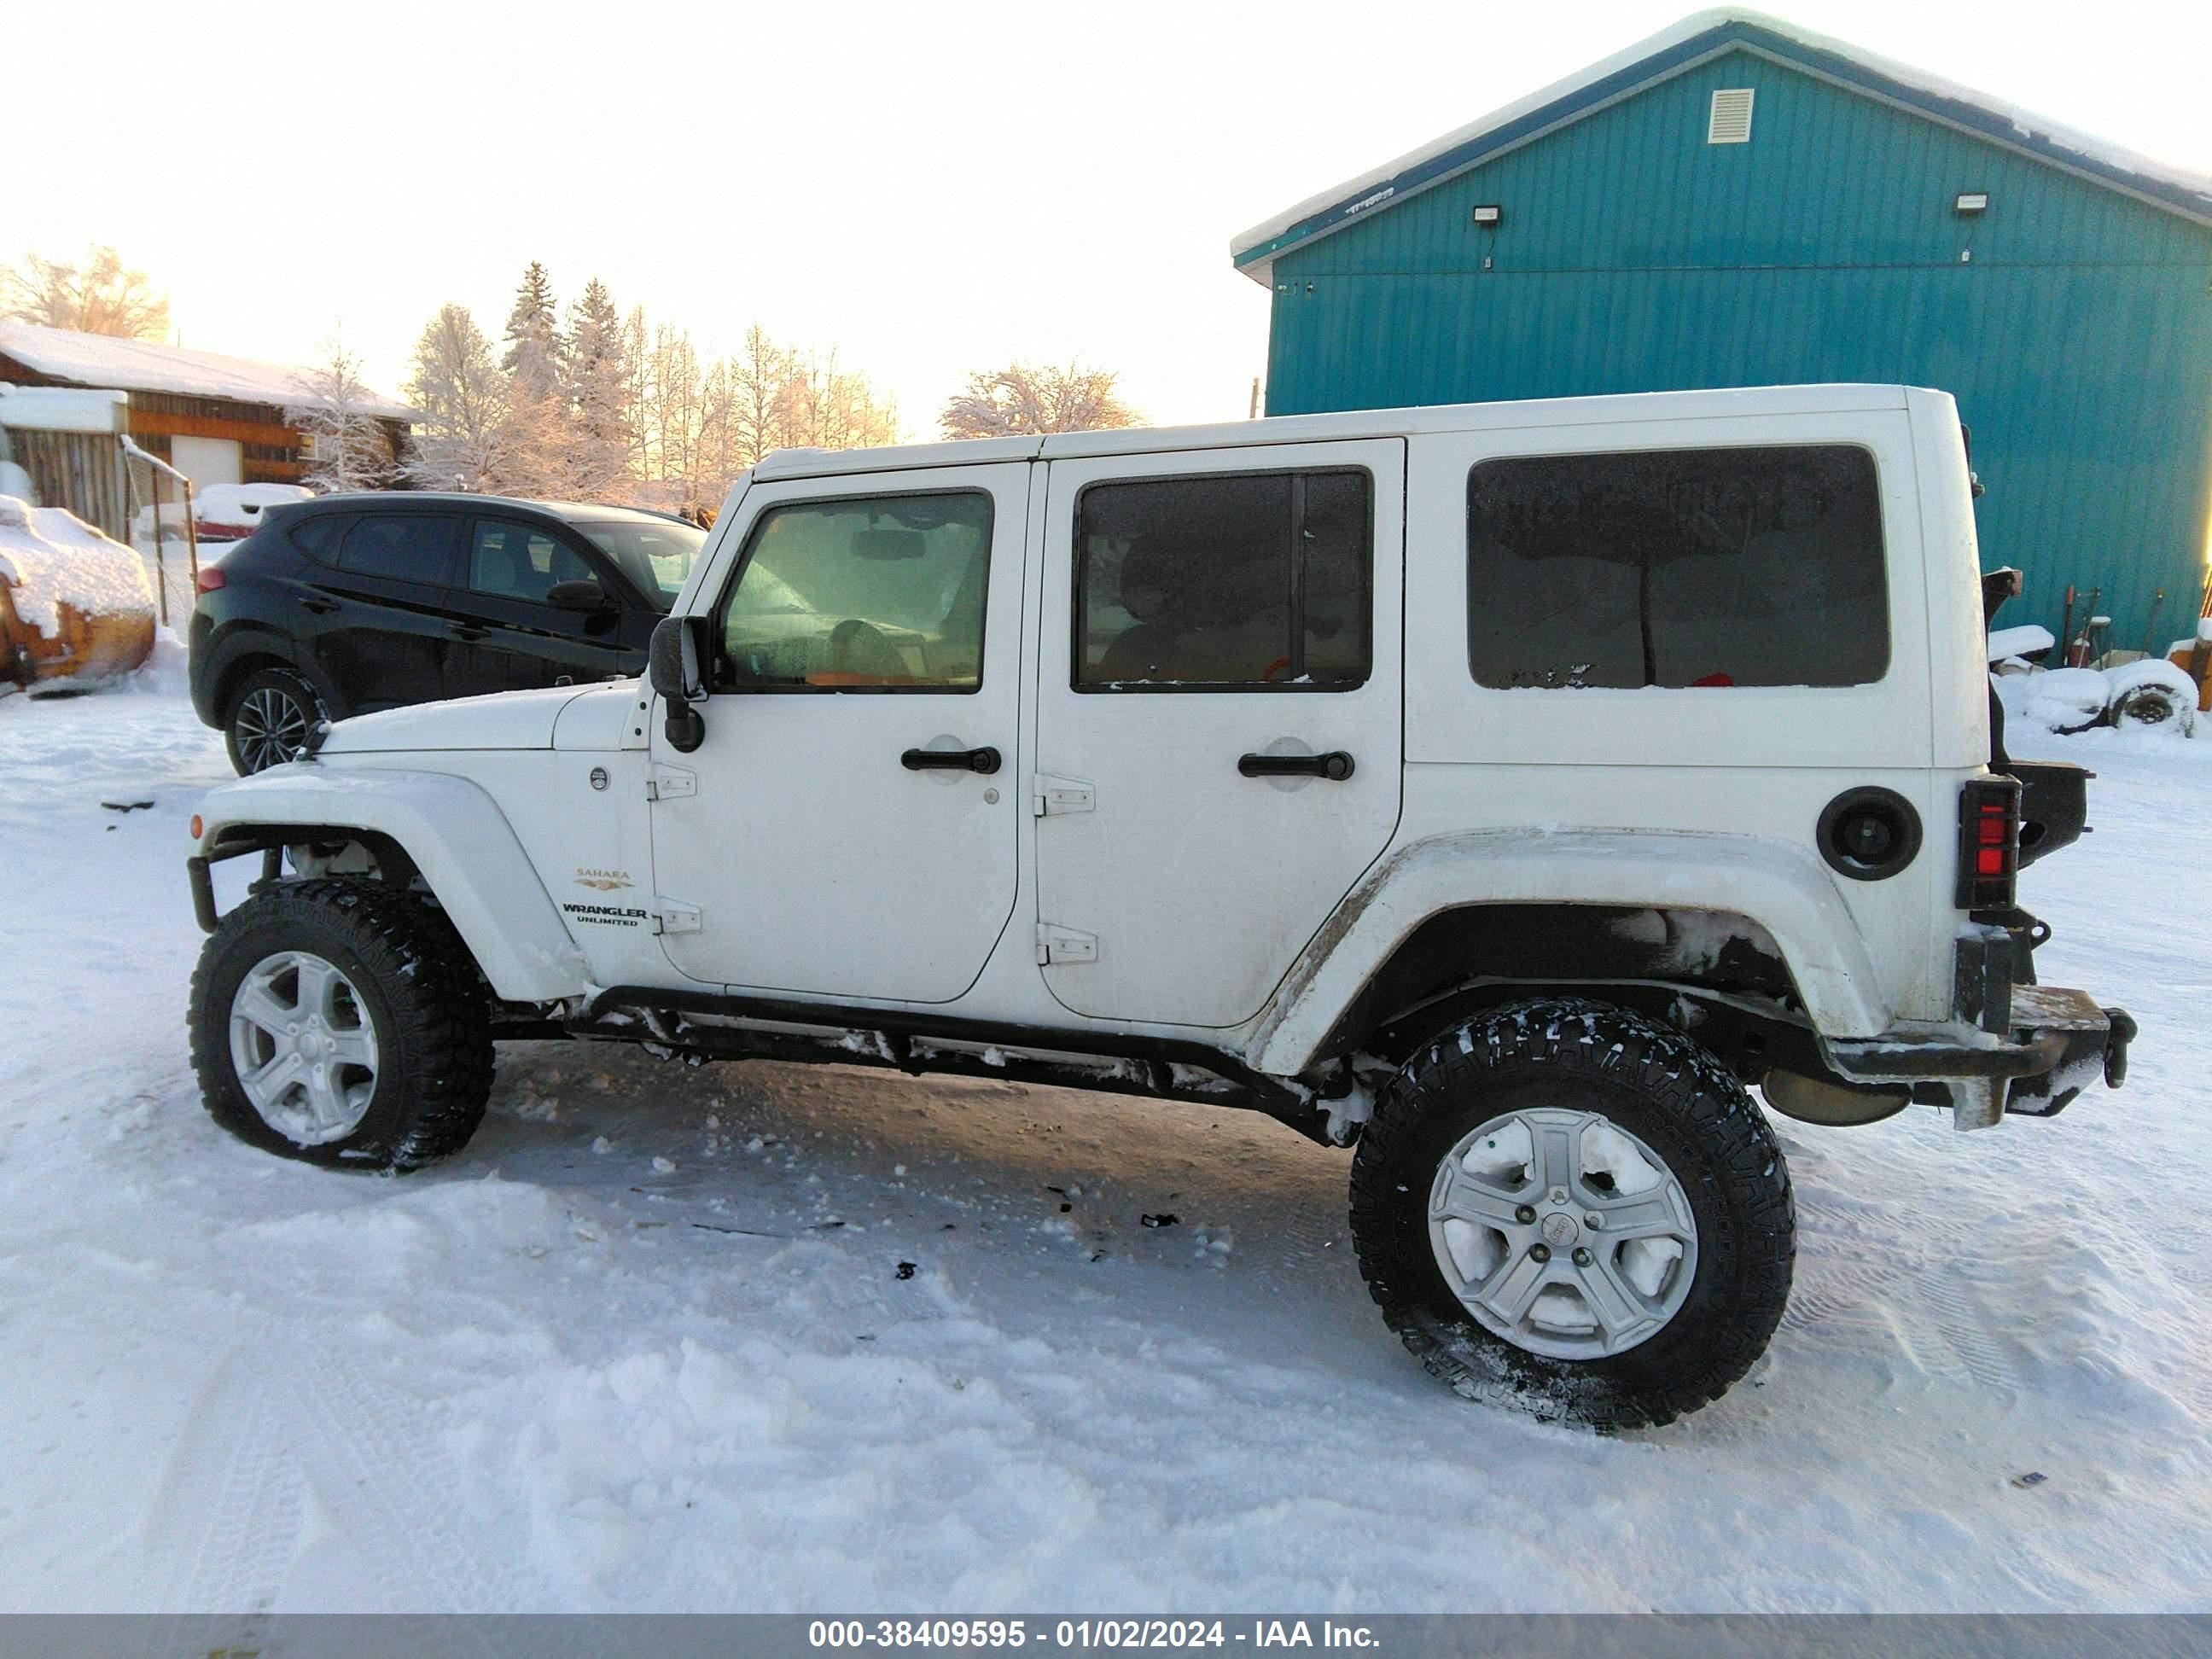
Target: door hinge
<point x="1056" y="943"/>
<point x="1049" y="796"/>
<point x="671" y="916"/>
<point x="667" y="782"/>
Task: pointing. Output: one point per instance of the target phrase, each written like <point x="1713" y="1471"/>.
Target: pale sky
<point x="932" y="188"/>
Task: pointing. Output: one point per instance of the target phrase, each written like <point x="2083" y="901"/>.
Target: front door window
<point x="864" y="593"/>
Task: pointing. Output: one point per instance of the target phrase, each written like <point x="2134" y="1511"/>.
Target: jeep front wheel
<point x="340" y="1022"/>
<point x="1573" y="1208"/>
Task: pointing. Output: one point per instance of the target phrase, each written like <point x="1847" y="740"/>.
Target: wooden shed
<point x="216" y="419"/>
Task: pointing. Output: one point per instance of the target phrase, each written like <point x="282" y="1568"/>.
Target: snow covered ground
<point x="646" y="1345"/>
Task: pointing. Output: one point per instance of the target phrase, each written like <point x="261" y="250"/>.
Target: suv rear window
<point x="1238" y="581"/>
<point x="409" y="547"/>
<point x="1678" y="568"/>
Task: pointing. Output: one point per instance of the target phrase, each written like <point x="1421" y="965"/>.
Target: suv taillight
<point x="1989" y="843"/>
<point x="211" y="578"/>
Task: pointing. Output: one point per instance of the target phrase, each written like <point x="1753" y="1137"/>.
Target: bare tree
<point x="463" y="396"/>
<point x="347" y="448"/>
<point x="830" y="409"/>
<point x="1023" y="399"/>
<point x="760" y="380"/>
<point x="97" y="297"/>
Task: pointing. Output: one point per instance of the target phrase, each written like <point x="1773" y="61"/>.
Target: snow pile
<point x="52" y="557"/>
<point x="166" y="672"/>
<point x="2149" y="694"/>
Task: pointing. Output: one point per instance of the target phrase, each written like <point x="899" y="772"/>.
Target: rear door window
<point x="408" y="547"/>
<point x="1239" y="580"/>
<point x="1693" y="567"/>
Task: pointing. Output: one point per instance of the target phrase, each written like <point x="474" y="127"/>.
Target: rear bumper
<point x="2056" y="1043"/>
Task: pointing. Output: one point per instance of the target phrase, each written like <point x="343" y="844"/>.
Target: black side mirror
<point x="676" y="669"/>
<point x="583" y="594"/>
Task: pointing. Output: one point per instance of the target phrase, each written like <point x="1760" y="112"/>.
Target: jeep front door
<point x="1218" y="717"/>
<point x="847" y="827"/>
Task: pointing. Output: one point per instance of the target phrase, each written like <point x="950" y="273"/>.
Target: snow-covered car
<point x="2145" y="693"/>
<point x="1498" y="790"/>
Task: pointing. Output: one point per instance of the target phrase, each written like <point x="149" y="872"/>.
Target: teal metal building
<point x="1738" y="203"/>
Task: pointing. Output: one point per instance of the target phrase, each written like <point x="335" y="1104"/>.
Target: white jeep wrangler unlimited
<point x="1496" y="790"/>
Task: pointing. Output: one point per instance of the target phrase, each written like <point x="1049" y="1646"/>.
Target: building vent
<point x="1730" y="122"/>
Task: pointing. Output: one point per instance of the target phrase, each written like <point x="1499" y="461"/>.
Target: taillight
<point x="1989" y="843"/>
<point x="211" y="578"/>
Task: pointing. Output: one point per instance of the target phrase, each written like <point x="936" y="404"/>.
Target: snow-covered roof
<point x="101" y="360"/>
<point x="1691" y="41"/>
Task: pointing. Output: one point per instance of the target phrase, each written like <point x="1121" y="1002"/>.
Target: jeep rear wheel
<point x="342" y="1023"/>
<point x="1572" y="1208"/>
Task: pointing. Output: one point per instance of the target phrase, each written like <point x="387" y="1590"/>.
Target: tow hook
<point x="2116" y="1047"/>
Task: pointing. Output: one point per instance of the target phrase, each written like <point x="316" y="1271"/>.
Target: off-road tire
<point x="1658" y="1084"/>
<point x="274" y="686"/>
<point x="417" y="985"/>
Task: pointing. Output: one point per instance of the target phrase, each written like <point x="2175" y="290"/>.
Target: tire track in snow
<point x="385" y="1483"/>
<point x="234" y="1487"/>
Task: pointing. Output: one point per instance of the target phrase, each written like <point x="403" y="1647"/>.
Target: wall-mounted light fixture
<point x="1970" y="203"/>
<point x="1489" y="216"/>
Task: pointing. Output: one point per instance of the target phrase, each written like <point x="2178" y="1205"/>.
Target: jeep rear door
<point x="843" y="831"/>
<point x="1218" y="717"/>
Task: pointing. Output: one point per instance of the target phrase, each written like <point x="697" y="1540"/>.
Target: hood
<point x="506" y="720"/>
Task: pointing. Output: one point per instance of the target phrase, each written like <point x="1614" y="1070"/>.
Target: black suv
<point x="355" y="603"/>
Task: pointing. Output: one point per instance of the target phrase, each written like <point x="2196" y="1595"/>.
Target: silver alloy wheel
<point x="1562" y="1233"/>
<point x="271" y="728"/>
<point x="304" y="1047"/>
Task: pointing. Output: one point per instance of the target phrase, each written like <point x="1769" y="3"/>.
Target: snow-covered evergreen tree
<point x="532" y="358"/>
<point x="462" y="393"/>
<point x="348" y="449"/>
<point x="535" y="434"/>
<point x="598" y="393"/>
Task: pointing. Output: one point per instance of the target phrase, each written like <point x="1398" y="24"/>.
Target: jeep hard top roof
<point x="1737" y="402"/>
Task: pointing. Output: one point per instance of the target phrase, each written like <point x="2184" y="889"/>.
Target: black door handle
<point x="1336" y="766"/>
<point x="321" y="607"/>
<point x="985" y="760"/>
<point x="467" y="631"/>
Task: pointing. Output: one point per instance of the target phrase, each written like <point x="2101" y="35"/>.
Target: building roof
<point x="101" y="360"/>
<point x="1694" y="40"/>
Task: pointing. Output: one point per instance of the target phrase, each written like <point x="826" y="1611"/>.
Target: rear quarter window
<point x="318" y="535"/>
<point x="1688" y="567"/>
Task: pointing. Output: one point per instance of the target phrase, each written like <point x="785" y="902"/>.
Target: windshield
<point x="656" y="556"/>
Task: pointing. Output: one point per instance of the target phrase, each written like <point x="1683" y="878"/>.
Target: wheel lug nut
<point x="1581" y="1258"/>
<point x="1524" y="1215"/>
<point x="1540" y="1253"/>
<point x="1594" y="1221"/>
